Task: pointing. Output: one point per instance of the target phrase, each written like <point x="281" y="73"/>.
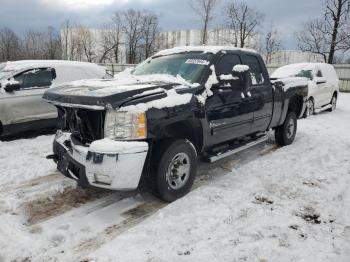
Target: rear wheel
<point x="333" y="103"/>
<point x="285" y="133"/>
<point x="176" y="169"/>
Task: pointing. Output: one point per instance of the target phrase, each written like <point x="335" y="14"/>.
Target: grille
<point x="84" y="124"/>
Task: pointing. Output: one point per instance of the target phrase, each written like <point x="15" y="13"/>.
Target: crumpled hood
<point x="102" y="93"/>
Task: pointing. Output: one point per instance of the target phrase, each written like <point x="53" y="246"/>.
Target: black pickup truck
<point x="152" y="124"/>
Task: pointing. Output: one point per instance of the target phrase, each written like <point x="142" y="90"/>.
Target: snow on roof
<point x="25" y="64"/>
<point x="293" y="69"/>
<point x="204" y="49"/>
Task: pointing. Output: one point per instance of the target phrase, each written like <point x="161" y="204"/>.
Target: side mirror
<point x="242" y="71"/>
<point x="12" y="87"/>
<point x="240" y="68"/>
<point x="320" y="80"/>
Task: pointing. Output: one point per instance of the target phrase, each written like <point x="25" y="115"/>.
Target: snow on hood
<point x="172" y="99"/>
<point x="123" y="82"/>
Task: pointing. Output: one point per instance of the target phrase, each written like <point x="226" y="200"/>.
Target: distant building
<point x="193" y="38"/>
<point x="285" y="57"/>
<point x="90" y="44"/>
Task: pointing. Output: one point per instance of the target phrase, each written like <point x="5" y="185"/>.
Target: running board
<point x="324" y="108"/>
<point x="234" y="150"/>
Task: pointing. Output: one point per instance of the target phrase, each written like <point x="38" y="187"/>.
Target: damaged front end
<point x="82" y="153"/>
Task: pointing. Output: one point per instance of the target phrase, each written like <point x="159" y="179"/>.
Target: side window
<point x="256" y="73"/>
<point x="41" y="77"/>
<point x="226" y="64"/>
<point x="224" y="71"/>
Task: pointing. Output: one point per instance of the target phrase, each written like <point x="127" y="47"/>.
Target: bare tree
<point x="243" y="20"/>
<point x="111" y="39"/>
<point x="329" y="34"/>
<point x="9" y="45"/>
<point x="312" y="38"/>
<point x="133" y="30"/>
<point x="52" y="44"/>
<point x="271" y="44"/>
<point x="205" y="10"/>
<point x="150" y="31"/>
<point x="86" y="43"/>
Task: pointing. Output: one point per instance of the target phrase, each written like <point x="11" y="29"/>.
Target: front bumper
<point x="109" y="164"/>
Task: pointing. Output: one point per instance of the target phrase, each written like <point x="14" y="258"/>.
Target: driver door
<point x="228" y="110"/>
<point x="27" y="104"/>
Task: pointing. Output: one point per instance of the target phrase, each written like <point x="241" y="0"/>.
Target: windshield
<point x="189" y="66"/>
<point x="5" y="74"/>
<point x="293" y="72"/>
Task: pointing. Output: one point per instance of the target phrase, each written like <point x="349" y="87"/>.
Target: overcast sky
<point x="21" y="15"/>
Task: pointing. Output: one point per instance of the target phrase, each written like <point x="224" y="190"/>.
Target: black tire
<point x="333" y="103"/>
<point x="167" y="155"/>
<point x="310" y="108"/>
<point x="285" y="133"/>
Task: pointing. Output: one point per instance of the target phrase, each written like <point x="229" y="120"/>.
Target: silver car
<point x="22" y="84"/>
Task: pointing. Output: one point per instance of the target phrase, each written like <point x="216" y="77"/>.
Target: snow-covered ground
<point x="264" y="204"/>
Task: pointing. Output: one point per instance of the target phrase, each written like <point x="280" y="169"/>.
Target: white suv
<point x="22" y="84"/>
<point x="323" y="84"/>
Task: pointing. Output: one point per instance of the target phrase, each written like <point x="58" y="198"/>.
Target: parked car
<point x="22" y="84"/>
<point x="181" y="105"/>
<point x="323" y="85"/>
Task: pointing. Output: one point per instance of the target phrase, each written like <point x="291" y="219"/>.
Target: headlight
<point x="125" y="125"/>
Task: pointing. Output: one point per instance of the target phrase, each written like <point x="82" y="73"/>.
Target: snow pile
<point x="291" y="204"/>
<point x="28" y="64"/>
<point x="240" y="68"/>
<point x="25" y="159"/>
<point x="228" y="77"/>
<point x="109" y="146"/>
<point x="172" y="99"/>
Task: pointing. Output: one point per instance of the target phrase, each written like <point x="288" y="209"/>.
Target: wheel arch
<point x="189" y="129"/>
<point x="297" y="105"/>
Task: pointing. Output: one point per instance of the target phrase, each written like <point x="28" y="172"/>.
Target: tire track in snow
<point x="71" y="206"/>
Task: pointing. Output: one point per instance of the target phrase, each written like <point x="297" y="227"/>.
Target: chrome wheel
<point x="178" y="171"/>
<point x="334" y="103"/>
<point x="310" y="107"/>
<point x="290" y="128"/>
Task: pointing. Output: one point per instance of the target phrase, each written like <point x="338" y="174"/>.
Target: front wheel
<point x="176" y="170"/>
<point x="285" y="133"/>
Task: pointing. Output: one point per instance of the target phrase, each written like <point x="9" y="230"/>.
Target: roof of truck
<point x="204" y="49"/>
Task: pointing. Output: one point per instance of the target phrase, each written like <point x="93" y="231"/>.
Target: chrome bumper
<point x="109" y="164"/>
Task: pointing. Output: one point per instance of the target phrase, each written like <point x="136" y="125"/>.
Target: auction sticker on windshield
<point x="197" y="62"/>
